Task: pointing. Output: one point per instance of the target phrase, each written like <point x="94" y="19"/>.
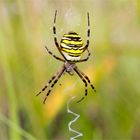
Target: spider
<point x="71" y="48"/>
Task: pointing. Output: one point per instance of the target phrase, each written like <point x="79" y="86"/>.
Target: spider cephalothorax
<point x="69" y="67"/>
<point x="71" y="48"/>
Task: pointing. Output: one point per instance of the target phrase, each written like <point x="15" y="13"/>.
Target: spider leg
<point x="81" y="76"/>
<point x="88" y="32"/>
<point x="54" y="55"/>
<point x="55" y="38"/>
<point x="49" y="82"/>
<point x="83" y="60"/>
<point x="56" y="80"/>
<point x="86" y="77"/>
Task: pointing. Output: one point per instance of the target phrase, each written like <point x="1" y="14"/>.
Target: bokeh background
<point x="25" y="67"/>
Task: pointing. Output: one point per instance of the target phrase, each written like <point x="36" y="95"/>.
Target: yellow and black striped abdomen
<point x="72" y="46"/>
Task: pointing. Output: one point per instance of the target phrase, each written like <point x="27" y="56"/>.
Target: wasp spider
<point x="71" y="48"/>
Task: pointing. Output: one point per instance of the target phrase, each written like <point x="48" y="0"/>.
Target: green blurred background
<point x="114" y="68"/>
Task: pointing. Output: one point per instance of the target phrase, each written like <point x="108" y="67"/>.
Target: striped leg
<point x="86" y="77"/>
<point x="81" y="76"/>
<point x="54" y="55"/>
<point x="55" y="38"/>
<point x="88" y="32"/>
<point x="56" y="80"/>
<point x="46" y="86"/>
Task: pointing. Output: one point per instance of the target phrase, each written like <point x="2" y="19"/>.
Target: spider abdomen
<point x="72" y="46"/>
